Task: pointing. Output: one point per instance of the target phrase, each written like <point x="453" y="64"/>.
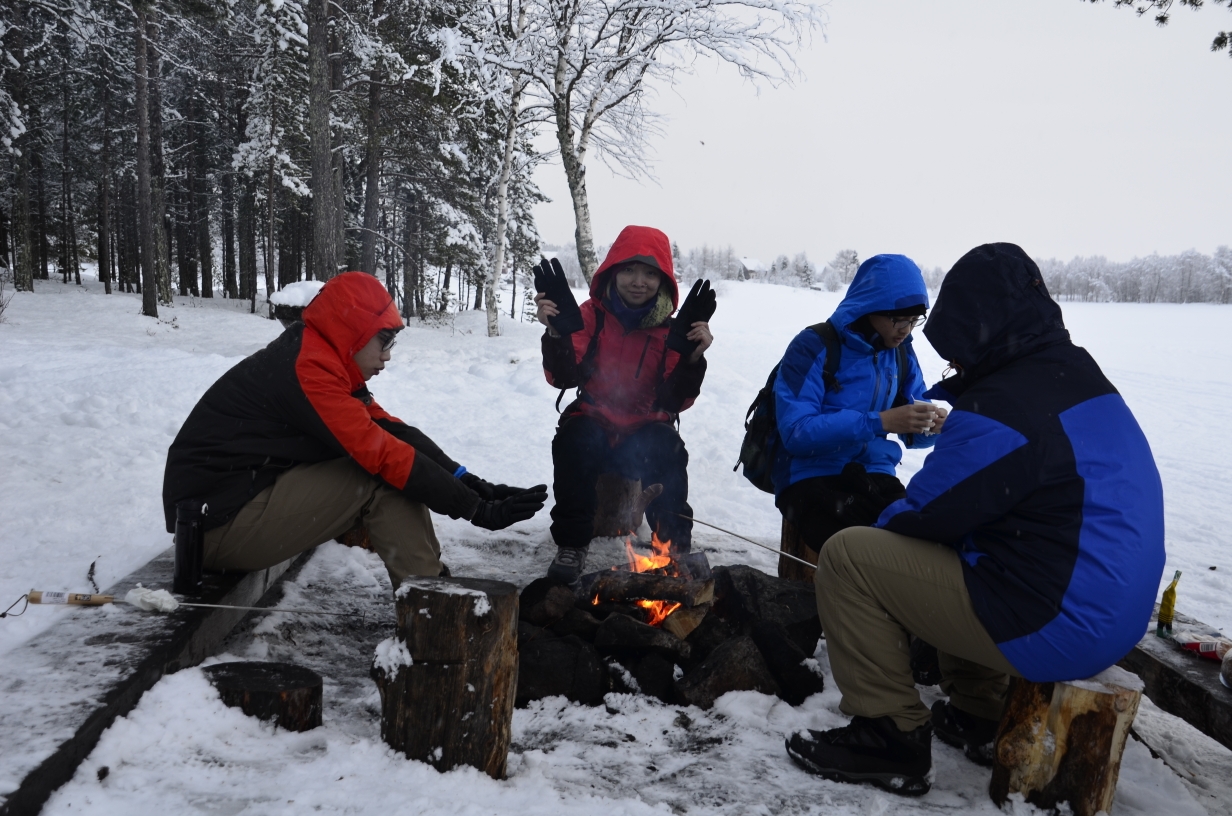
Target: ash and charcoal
<point x="744" y="630"/>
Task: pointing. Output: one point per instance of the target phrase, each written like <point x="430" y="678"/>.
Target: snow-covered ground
<point x="91" y="394"/>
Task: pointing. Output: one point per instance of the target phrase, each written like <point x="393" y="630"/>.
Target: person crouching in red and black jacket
<point x="288" y="450"/>
<point x="636" y="368"/>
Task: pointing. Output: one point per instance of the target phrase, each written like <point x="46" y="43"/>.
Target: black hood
<point x="993" y="308"/>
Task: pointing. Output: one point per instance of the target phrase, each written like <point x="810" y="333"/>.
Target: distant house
<point x="751" y="269"/>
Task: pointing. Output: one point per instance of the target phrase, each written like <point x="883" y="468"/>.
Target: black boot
<point x="868" y="750"/>
<point x="974" y="735"/>
<point x="568" y="564"/>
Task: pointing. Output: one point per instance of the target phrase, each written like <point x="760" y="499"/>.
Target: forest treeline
<point x="1189" y="277"/>
<point x="199" y="112"/>
<point x="194" y="145"/>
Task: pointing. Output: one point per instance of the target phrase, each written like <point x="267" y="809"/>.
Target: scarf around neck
<point x="643" y="317"/>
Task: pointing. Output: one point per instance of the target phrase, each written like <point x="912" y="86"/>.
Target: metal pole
<point x="751" y="541"/>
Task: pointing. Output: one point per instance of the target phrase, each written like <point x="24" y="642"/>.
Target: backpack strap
<point x="834" y="352"/>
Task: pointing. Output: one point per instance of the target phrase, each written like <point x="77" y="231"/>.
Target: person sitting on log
<point x="838" y="397"/>
<point x="635" y="369"/>
<point x="1030" y="544"/>
<point x="288" y="450"/>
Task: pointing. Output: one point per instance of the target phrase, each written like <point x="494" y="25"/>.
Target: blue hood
<point x="882" y="282"/>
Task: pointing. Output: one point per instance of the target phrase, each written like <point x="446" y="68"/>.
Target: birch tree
<point x="606" y="55"/>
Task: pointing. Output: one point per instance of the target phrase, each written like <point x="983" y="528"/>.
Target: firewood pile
<point x="674" y="629"/>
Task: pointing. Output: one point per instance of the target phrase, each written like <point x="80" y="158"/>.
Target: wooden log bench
<point x="54" y="711"/>
<point x="1181" y="683"/>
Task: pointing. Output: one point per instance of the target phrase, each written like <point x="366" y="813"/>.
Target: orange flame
<point x="659" y="610"/>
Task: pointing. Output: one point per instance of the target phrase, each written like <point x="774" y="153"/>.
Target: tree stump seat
<point x="1062" y="742"/>
<point x="791" y="543"/>
<point x="289" y="695"/>
<point x="448" y="677"/>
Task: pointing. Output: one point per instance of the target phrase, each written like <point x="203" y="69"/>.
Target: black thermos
<point x="189" y="542"/>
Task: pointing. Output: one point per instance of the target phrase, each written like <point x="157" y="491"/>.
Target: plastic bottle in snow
<point x="1167" y="608"/>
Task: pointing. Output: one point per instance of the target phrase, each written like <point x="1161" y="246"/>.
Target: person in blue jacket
<point x="1031" y="543"/>
<point x="836" y="463"/>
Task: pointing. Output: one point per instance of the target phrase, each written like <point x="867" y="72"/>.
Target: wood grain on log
<point x="621" y="504"/>
<point x="453" y="704"/>
<point x="791" y="543"/>
<point x="622" y="585"/>
<point x="287" y="694"/>
<point x="685" y="619"/>
<point x="1062" y="742"/>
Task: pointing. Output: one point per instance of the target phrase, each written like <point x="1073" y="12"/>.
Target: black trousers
<point x="822" y="506"/>
<point x="654" y="453"/>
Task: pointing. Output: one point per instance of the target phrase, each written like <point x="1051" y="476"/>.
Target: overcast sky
<point x="927" y="127"/>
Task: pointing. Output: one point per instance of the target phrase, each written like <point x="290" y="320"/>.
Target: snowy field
<point x="91" y="394"/>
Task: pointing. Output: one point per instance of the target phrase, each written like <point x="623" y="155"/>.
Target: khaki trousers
<point x="874" y="589"/>
<point x="311" y="504"/>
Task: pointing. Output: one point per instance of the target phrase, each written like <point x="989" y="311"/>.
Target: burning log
<point x="620" y="585"/>
<point x="621" y="504"/>
<point x="448" y="677"/>
<point x="1062" y="742"/>
<point x="289" y="695"/>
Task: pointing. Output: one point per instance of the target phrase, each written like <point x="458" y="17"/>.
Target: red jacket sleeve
<point x="354" y="425"/>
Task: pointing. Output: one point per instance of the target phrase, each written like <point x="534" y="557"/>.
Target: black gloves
<point x="497" y="515"/>
<point x="488" y="491"/>
<point x="698" y="306"/>
<point x="550" y="279"/>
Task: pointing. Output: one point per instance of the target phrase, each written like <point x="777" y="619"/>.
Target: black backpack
<point x="761" y="441"/>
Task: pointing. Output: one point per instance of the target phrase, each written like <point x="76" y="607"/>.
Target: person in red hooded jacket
<point x="288" y="450"/>
<point x="635" y="369"/>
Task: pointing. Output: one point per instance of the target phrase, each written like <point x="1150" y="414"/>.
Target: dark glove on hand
<point x="698" y="306"/>
<point x="497" y="515"/>
<point x="550" y="279"/>
<point x="488" y="491"/>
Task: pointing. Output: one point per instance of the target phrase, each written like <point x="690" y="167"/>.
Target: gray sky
<point x="928" y="128"/>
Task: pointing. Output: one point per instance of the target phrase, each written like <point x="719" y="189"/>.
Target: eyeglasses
<point x="909" y="322"/>
<point x="388" y="340"/>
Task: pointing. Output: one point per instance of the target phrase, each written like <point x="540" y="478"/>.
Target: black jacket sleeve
<point x="431" y="484"/>
<point x="682" y="385"/>
<point x="559" y="360"/>
<point x="419" y="440"/>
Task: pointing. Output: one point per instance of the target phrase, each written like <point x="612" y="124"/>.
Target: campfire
<point x="674" y="591"/>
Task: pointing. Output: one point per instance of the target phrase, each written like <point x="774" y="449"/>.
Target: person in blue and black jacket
<point x="1030" y="544"/>
<point x="836" y="464"/>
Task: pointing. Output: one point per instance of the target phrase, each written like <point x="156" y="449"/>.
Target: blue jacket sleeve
<point x="807" y="426"/>
<point x="978" y="471"/>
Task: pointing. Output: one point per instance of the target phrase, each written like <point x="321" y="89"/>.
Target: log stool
<point x="791" y="543"/>
<point x="287" y="694"/>
<point x="1062" y="742"/>
<point x="621" y="504"/>
<point x="449" y="675"/>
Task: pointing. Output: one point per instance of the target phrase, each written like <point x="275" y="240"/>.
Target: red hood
<point x="348" y="312"/>
<point x="645" y="244"/>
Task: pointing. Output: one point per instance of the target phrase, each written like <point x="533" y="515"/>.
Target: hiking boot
<point x="868" y="750"/>
<point x="925" y="667"/>
<point x="974" y="735"/>
<point x="567" y="565"/>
